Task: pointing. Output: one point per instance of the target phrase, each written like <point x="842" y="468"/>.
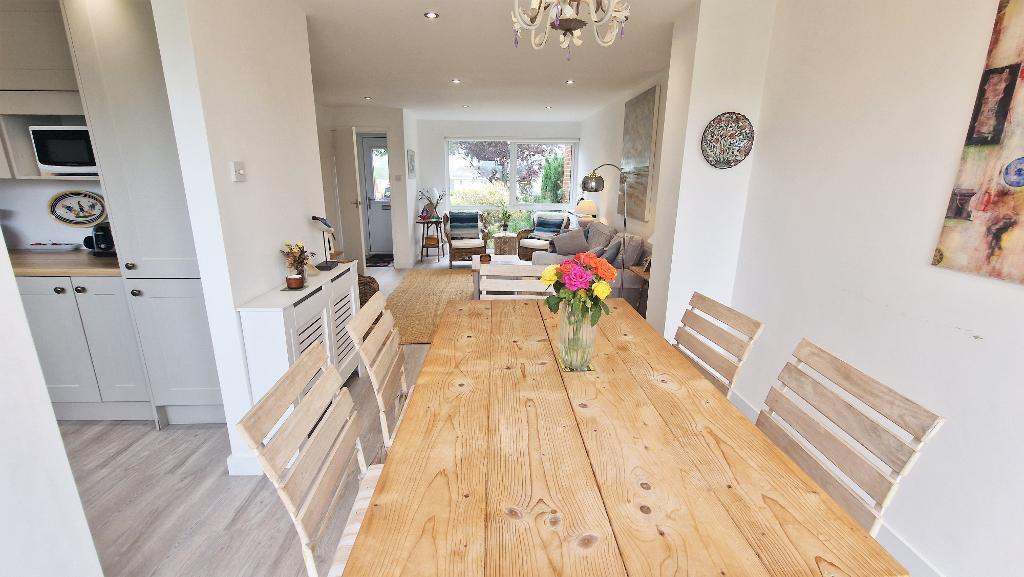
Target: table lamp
<point x="594" y="182"/>
<point x="586" y="210"/>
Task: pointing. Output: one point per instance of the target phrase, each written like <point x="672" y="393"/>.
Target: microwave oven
<point x="63" y="149"/>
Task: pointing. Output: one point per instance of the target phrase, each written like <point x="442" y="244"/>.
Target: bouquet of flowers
<point x="297" y="257"/>
<point x="581" y="285"/>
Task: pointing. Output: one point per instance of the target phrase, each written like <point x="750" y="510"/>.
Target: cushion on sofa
<point x="464" y="224"/>
<point x="535" y="243"/>
<point x="547" y="224"/>
<point x="599" y="234"/>
<point x="628" y="248"/>
<point x="571" y="242"/>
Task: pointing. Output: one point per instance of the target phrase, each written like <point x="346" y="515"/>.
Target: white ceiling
<point x="386" y="49"/>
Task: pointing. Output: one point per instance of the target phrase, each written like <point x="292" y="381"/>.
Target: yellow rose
<point x="602" y="289"/>
<point x="550" y="274"/>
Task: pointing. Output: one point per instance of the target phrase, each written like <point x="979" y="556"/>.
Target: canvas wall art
<point x="639" y="137"/>
<point x="983" y="232"/>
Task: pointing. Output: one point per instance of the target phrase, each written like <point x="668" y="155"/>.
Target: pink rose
<point x="577" y="278"/>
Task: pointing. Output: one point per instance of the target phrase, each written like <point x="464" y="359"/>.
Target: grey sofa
<point x="599" y="238"/>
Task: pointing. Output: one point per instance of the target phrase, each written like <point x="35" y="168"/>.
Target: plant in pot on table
<point x="297" y="258"/>
<point x="581" y="285"/>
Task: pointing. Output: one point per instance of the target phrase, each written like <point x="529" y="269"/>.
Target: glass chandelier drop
<point x="567" y="19"/>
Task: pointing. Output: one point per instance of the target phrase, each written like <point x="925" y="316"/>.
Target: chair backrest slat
<point x="704" y="338"/>
<point x="889" y="448"/>
<point x="296" y="487"/>
<point x="261" y="419"/>
<point x="283" y="445"/>
<point x="379" y="336"/>
<point x="341" y="464"/>
<point x="861" y="511"/>
<point x="503" y="281"/>
<point x="385" y="359"/>
<point x="365" y="317"/>
<point x="910" y="416"/>
<point x="809" y="419"/>
<point x="307" y="453"/>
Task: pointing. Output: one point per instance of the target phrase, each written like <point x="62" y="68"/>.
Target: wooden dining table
<point x="504" y="465"/>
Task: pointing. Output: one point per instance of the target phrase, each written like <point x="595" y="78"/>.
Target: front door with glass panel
<point x="376" y="187"/>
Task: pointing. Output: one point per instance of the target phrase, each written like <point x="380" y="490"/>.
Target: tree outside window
<point x="524" y="175"/>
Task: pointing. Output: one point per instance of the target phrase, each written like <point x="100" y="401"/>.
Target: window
<point x="523" y="174"/>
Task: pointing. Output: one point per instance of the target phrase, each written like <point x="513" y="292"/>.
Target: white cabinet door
<point x="122" y="86"/>
<point x="110" y="331"/>
<point x="60" y="340"/>
<point x="171" y="319"/>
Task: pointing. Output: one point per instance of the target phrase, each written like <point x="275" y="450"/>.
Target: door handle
<point x="80" y="289"/>
<point x="136" y="293"/>
<point x="357" y="203"/>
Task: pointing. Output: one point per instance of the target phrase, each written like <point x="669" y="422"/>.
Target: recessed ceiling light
<point x="367" y="98"/>
<point x="570" y="81"/>
<point x="431" y="15"/>
<point x="465" y="106"/>
<point x="548" y="107"/>
<point x="456" y="81"/>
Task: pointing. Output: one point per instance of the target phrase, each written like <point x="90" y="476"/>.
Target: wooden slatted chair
<point x="379" y="344"/>
<point x="858" y="456"/>
<point x="305" y="432"/>
<point x="717" y="338"/>
<point x="512" y="281"/>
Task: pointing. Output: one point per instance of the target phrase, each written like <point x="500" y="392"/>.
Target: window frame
<point x="513" y="166"/>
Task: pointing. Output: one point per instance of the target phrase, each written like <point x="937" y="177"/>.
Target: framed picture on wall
<point x="993" y="104"/>
<point x="410" y="159"/>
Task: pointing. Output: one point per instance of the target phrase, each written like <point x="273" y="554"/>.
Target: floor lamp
<point x="594" y="182"/>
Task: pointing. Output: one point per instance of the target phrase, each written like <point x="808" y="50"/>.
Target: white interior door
<point x="376" y="190"/>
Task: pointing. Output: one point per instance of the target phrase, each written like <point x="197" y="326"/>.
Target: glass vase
<point x="575" y="339"/>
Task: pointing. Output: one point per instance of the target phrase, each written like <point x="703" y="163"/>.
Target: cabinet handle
<point x="129" y="266"/>
<point x="79" y="289"/>
<point x="58" y="289"/>
<point x="136" y="293"/>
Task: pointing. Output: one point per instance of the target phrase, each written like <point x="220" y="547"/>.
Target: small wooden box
<point x="431" y="242"/>
<point x="506" y="243"/>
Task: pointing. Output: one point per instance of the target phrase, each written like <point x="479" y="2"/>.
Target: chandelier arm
<point x="609" y="35"/>
<point x="517" y="13"/>
<point x="608" y="13"/>
<point x="543" y="39"/>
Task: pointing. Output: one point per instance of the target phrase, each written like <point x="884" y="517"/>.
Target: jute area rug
<point x="420" y="299"/>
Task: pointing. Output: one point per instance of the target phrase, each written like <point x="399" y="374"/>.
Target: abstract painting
<point x="983" y="232"/>
<point x="639" y="135"/>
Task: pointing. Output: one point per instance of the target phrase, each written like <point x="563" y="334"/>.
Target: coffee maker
<point x="101" y="242"/>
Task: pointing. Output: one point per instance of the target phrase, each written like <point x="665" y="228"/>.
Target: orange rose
<point x="606" y="271"/>
<point x="585" y="258"/>
<point x="565" y="267"/>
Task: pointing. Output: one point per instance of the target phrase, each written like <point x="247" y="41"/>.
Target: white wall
<point x="25" y="216"/>
<point x="346" y="122"/>
<point x="865" y="110"/>
<point x="240" y="88"/>
<point x="433" y="155"/>
<point x="728" y="75"/>
<point x="601" y="142"/>
<point x="43" y="531"/>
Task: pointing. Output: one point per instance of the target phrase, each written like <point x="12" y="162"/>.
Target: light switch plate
<point x="237" y="171"/>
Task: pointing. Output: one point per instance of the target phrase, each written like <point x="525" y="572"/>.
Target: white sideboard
<point x="279" y="325"/>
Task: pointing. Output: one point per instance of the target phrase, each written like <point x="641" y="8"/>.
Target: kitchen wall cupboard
<point x="33" y="52"/>
<point x="120" y="78"/>
<point x="85" y="339"/>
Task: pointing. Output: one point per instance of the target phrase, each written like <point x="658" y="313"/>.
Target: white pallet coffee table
<point x="495" y="259"/>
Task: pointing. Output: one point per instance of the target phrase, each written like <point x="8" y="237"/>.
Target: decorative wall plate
<point x="79" y="208"/>
<point x="727" y="140"/>
<point x="1013" y="174"/>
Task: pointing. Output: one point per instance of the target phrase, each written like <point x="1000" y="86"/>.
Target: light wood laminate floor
<point x="160" y="503"/>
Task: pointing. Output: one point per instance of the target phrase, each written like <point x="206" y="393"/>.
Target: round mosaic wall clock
<point x="727" y="140"/>
<point x="78" y="208"/>
<point x="1013" y="174"/>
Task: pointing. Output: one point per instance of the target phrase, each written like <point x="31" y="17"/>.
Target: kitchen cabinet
<point x="60" y="338"/>
<point x="120" y="78"/>
<point x="113" y="344"/>
<point x="171" y="319"/>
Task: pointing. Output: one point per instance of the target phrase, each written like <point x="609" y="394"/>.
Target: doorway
<point x="375" y="189"/>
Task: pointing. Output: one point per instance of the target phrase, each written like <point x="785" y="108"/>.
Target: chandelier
<point x="566" y="18"/>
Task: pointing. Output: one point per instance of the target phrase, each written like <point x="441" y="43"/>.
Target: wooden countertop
<point x="74" y="263"/>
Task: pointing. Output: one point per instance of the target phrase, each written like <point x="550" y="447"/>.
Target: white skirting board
<point x="140" y="411"/>
<point x="904" y="552"/>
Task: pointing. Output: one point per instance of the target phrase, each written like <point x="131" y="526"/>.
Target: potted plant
<point x="297" y="258"/>
<point x="432" y="201"/>
<point x="581" y="285"/>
